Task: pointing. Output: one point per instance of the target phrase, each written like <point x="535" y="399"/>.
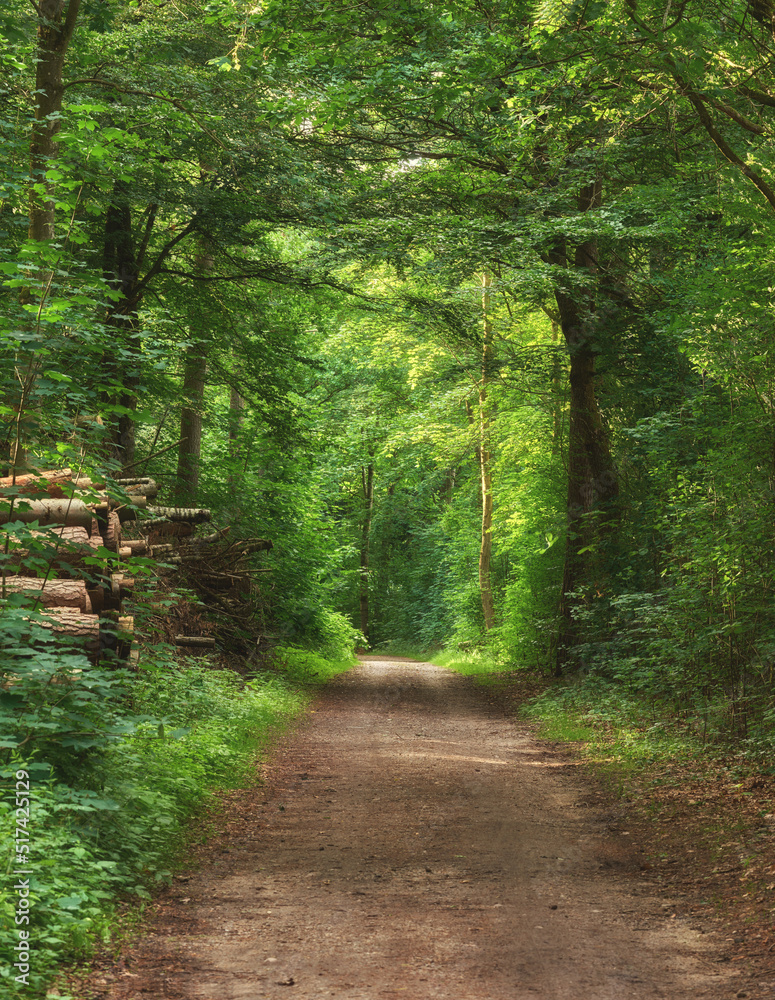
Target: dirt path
<point x="413" y="842"/>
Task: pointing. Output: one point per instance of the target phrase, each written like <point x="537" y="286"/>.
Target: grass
<point x="114" y="823"/>
<point x="471" y="664"/>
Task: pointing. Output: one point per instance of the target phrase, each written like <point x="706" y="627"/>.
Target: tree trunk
<point x="558" y="397"/>
<point x="194" y="380"/>
<point x="593" y="484"/>
<point x="236" y="420"/>
<point x="190" y="448"/>
<point x="56" y="25"/>
<point x="485" y="469"/>
<point x="367" y="477"/>
<point x="121" y="272"/>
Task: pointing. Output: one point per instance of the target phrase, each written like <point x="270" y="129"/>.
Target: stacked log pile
<point x="221" y="572"/>
<point x="73" y="519"/>
<point x="80" y="587"/>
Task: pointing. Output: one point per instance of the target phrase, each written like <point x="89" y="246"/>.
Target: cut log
<point x="52" y="593"/>
<point x="217" y="536"/>
<point x="113" y="592"/>
<point x="127" y="513"/>
<point x="138" y="487"/>
<point x="51" y="476"/>
<point x="60" y="546"/>
<point x="82" y="488"/>
<point x="161" y="526"/>
<point x="72" y="513"/>
<point x="116" y="634"/>
<point x="161" y="551"/>
<point x="84" y="630"/>
<point x="256" y="545"/>
<point x="122" y="586"/>
<point x="111" y="532"/>
<point x="196" y="515"/>
<point x="137" y="546"/>
<point x="200" y="641"/>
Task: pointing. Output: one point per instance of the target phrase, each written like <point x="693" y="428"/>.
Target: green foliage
<point x="308" y="194"/>
<point x="108" y="818"/>
<point x="311" y="668"/>
<point x="612" y="724"/>
<point x="473" y="663"/>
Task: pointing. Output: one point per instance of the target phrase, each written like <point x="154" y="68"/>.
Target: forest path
<point x="414" y="842"/>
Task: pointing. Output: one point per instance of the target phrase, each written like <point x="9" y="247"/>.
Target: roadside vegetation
<point x="122" y="769"/>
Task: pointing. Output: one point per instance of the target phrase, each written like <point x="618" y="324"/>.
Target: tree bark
<point x="194" y="380"/>
<point x="485" y="465"/>
<point x="593" y="483"/>
<point x="52" y="593"/>
<point x="69" y="624"/>
<point x="56" y="24"/>
<point x="236" y="420"/>
<point x="67" y="512"/>
<point x="190" y="448"/>
<point x="121" y="272"/>
<point x="367" y="480"/>
<point x="196" y="515"/>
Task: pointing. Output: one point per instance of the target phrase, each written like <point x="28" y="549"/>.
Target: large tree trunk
<point x="593" y="484"/>
<point x="121" y="271"/>
<point x="57" y="19"/>
<point x="485" y="468"/>
<point x="367" y="476"/>
<point x="56" y="24"/>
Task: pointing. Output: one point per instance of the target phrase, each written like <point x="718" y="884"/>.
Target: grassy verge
<point x="702" y="812"/>
<point x="109" y="819"/>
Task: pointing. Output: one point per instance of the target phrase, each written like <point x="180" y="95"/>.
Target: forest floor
<point x="411" y="840"/>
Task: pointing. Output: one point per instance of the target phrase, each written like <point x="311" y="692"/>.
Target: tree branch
<point x="741" y="120"/>
<point x="723" y="146"/>
<point x="161" y="257"/>
<point x="70" y="20"/>
<point x="174" y="101"/>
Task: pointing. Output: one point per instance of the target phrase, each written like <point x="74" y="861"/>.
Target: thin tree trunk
<point x="593" y="483"/>
<point x="485" y="468"/>
<point x="558" y="402"/>
<point x="367" y="477"/>
<point x="190" y="448"/>
<point x="236" y="420"/>
<point x="194" y="381"/>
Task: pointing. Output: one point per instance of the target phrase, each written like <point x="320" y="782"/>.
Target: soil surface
<point x="413" y="841"/>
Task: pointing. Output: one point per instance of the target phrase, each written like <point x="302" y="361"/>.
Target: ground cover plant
<point x="111" y="808"/>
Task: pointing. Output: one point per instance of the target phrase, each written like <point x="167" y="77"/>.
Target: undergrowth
<point x="474" y="663"/>
<point x="119" y="766"/>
